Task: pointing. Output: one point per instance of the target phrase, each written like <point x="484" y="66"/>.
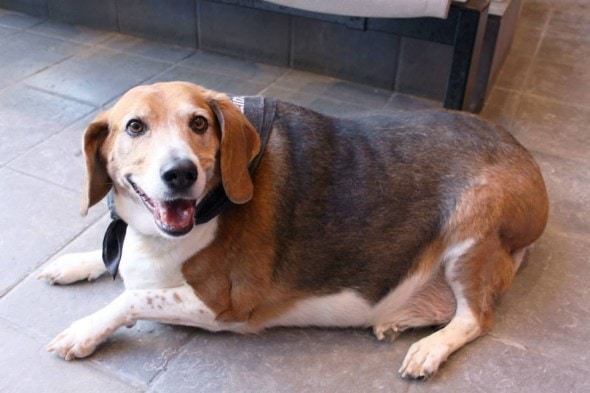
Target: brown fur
<point x="97" y="183"/>
<point x="236" y="282"/>
<point x="110" y="154"/>
<point x="240" y="143"/>
<point x="497" y="214"/>
<point x="353" y="203"/>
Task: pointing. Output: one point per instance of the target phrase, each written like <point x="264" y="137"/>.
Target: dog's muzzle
<point x="179" y="174"/>
<point x="174" y="217"/>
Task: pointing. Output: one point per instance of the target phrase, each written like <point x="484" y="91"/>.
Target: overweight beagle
<point x="388" y="220"/>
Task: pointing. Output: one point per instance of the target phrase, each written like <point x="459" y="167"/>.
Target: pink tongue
<point x="177" y="214"/>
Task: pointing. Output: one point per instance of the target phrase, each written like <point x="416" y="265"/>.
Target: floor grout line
<point x="23" y="79"/>
<point x="59" y="95"/>
<point x="555" y="100"/>
<point x="92" y="364"/>
<point x="18" y="282"/>
<point x="19" y="171"/>
<point x="30" y="148"/>
<point x="102" y="46"/>
<point x="22" y="28"/>
<point x="535" y="56"/>
<point x="158" y="375"/>
<point x="514" y="344"/>
<point x="572" y="160"/>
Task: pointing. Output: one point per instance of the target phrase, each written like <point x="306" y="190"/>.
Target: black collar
<point x="260" y="111"/>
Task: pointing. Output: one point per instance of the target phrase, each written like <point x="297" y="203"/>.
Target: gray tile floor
<point x="55" y="77"/>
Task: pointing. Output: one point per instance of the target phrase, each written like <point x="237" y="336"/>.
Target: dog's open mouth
<point x="174" y="217"/>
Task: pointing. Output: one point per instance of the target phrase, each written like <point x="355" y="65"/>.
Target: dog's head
<point x="163" y="147"/>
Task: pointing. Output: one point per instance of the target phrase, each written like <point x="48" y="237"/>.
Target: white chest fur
<point x="156" y="262"/>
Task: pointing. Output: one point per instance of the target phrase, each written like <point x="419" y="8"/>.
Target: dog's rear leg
<point x="70" y="268"/>
<point x="484" y="271"/>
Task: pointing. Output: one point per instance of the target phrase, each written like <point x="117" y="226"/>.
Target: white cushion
<point x="373" y="8"/>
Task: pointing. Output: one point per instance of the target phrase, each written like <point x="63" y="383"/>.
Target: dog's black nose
<point x="179" y="174"/>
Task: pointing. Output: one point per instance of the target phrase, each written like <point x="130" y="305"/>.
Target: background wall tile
<point x="423" y="68"/>
<point x="99" y="14"/>
<point x="244" y="32"/>
<point x="168" y="21"/>
<point x="362" y="56"/>
<point x="31" y="7"/>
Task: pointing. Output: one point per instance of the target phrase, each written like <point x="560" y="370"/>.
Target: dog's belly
<point x="346" y="308"/>
<point x="421" y="299"/>
<point x="417" y="301"/>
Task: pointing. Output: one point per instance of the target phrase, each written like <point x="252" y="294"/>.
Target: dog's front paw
<point x="79" y="340"/>
<point x="424" y="358"/>
<point x="71" y="268"/>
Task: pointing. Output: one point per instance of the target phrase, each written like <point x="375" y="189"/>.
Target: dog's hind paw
<point x="71" y="268"/>
<point x="387" y="331"/>
<point x="424" y="358"/>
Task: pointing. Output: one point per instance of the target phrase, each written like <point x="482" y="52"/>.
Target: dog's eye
<point x="199" y="124"/>
<point x="135" y="127"/>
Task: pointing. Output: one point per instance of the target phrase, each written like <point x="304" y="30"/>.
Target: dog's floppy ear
<point x="240" y="143"/>
<point x="98" y="182"/>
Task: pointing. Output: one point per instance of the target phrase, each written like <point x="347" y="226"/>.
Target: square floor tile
<point x="139" y="354"/>
<point x="24" y="54"/>
<point x="37" y="219"/>
<point x="17" y="20"/>
<point x="4" y="32"/>
<point x="569" y="195"/>
<point x="553" y="127"/>
<point x="58" y="159"/>
<point x="151" y="49"/>
<point x="513" y="73"/>
<point x="332" y="88"/>
<point x="534" y="14"/>
<point x="58" y="306"/>
<point x="501" y="106"/>
<point x="491" y="366"/>
<point x="570" y="24"/>
<point x="27" y="367"/>
<point x="547" y="309"/>
<point x="562" y="82"/>
<point x="28" y="116"/>
<point x="74" y="33"/>
<point x="136" y="354"/>
<point x="231" y="67"/>
<point x="97" y="75"/>
<point x="564" y="50"/>
<point x="286" y="360"/>
<point x="526" y="39"/>
<point x="225" y="83"/>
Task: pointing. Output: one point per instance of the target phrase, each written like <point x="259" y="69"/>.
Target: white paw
<point x="79" y="340"/>
<point x="425" y="357"/>
<point x="70" y="268"/>
<point x="387" y="331"/>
